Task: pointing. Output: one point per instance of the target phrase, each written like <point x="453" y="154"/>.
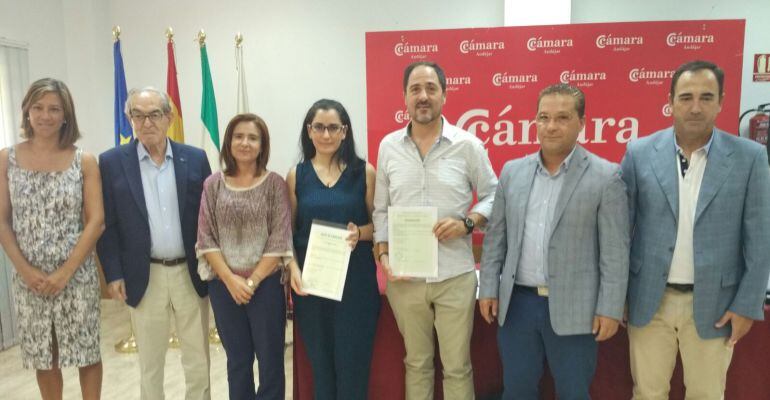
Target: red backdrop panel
<point x="495" y="74"/>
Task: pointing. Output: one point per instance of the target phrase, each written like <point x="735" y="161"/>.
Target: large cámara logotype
<point x="507" y="130"/>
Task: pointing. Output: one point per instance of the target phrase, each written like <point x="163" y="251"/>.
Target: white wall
<point x="39" y="24"/>
<point x="295" y="52"/>
<point x="89" y="70"/>
<point x="755" y="12"/>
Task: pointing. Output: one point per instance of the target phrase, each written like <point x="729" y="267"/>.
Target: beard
<point x="425" y="115"/>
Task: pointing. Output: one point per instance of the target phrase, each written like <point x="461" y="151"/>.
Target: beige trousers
<point x="170" y="293"/>
<point x="655" y="345"/>
<point x="449" y="306"/>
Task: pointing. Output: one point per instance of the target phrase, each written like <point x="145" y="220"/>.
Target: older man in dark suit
<point x="152" y="191"/>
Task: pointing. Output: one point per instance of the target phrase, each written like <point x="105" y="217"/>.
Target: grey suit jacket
<point x="588" y="245"/>
<point x="731" y="228"/>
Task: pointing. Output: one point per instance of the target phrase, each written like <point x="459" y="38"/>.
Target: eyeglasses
<point x="154" y="117"/>
<point x="319" y="128"/>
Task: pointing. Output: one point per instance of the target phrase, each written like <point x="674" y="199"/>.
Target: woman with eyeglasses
<point x="244" y="239"/>
<point x="333" y="184"/>
<point x="51" y="217"/>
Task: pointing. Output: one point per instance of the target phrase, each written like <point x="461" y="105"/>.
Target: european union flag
<point x="123" y="132"/>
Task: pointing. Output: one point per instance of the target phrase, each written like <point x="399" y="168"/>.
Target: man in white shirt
<point x="700" y="224"/>
<point x="433" y="163"/>
<point x="152" y="192"/>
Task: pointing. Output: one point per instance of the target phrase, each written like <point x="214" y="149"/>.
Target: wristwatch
<point x="469" y="224"/>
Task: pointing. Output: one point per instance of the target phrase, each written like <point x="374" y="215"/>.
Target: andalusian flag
<point x="210" y="135"/>
<point x="242" y="102"/>
<point x="176" y="129"/>
<point x="123" y="132"/>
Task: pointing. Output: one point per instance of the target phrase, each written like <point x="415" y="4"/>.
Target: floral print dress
<point x="48" y="221"/>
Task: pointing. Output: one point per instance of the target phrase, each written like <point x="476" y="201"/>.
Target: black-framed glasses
<point x="319" y="128"/>
<point x="154" y="117"/>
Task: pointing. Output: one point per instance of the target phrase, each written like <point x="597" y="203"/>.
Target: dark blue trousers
<point x="256" y="328"/>
<point x="339" y="335"/>
<point x="527" y="339"/>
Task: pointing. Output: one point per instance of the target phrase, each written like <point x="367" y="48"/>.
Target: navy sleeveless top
<point x="344" y="202"/>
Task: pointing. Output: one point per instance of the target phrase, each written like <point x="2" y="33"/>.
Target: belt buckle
<point x="167" y="262"/>
<point x="542" y="291"/>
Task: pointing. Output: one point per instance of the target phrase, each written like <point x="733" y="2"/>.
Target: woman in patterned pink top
<point x="244" y="239"/>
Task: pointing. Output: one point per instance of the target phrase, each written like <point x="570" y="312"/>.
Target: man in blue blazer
<point x="555" y="264"/>
<point x="152" y="190"/>
<point x="700" y="221"/>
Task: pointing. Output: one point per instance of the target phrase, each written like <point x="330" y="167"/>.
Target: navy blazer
<point x="124" y="248"/>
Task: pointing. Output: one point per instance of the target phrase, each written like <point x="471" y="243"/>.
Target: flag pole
<point x="127" y="345"/>
<point x="242" y="97"/>
<point x="173" y="340"/>
<point x="213" y="332"/>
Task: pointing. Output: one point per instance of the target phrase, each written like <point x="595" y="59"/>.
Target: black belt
<point x="681" y="287"/>
<point x="169" y="263"/>
<point x="532" y="289"/>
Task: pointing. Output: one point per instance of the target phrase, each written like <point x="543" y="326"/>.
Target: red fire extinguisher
<point x="758" y="124"/>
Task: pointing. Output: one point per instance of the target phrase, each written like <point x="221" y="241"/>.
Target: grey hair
<point x="165" y="101"/>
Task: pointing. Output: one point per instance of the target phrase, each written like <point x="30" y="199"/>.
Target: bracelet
<point x="359" y="232"/>
<point x="384" y="253"/>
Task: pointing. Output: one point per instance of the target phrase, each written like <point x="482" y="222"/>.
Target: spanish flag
<point x="176" y="129"/>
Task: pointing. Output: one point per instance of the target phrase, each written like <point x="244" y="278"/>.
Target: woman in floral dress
<point x="51" y="215"/>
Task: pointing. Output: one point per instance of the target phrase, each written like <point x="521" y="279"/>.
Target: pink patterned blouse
<point x="244" y="224"/>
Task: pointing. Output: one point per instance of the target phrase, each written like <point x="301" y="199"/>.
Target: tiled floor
<point x="121" y="371"/>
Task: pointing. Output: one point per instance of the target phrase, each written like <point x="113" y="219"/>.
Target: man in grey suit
<point x="555" y="264"/>
<point x="700" y="219"/>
